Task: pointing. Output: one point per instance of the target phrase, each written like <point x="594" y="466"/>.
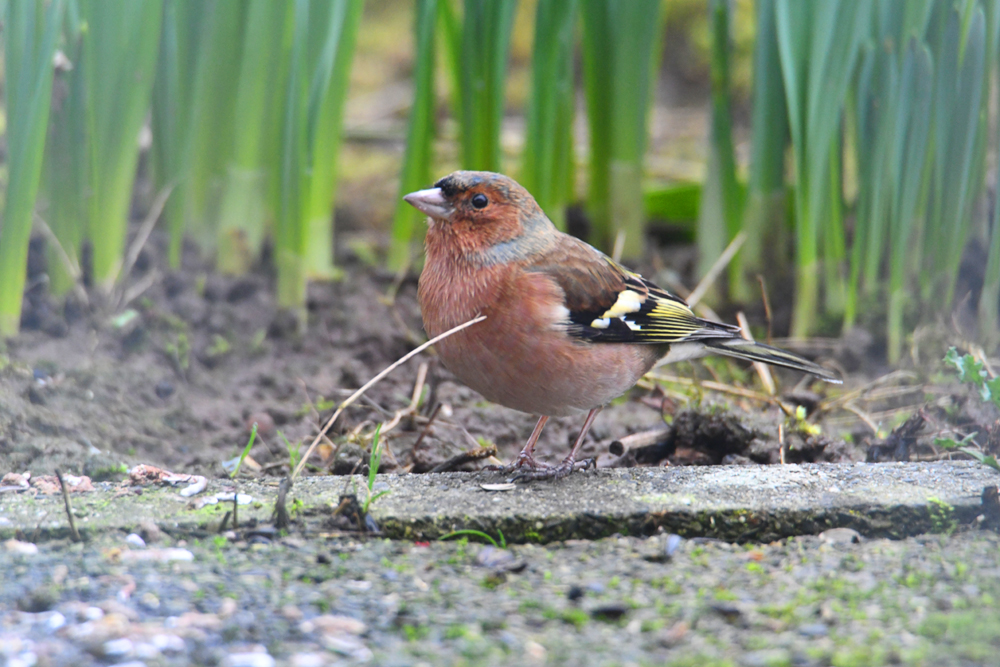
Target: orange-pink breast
<point x="521" y="356"/>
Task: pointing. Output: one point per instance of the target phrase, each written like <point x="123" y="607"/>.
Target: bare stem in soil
<point x="368" y="385"/>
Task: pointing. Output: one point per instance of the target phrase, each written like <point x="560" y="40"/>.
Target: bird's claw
<point x="568" y="465"/>
<point x="522" y="462"/>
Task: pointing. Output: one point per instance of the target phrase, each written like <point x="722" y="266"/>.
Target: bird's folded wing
<point x="609" y="304"/>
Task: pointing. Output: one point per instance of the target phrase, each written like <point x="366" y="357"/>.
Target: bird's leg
<point x="526" y="458"/>
<point x="569" y="463"/>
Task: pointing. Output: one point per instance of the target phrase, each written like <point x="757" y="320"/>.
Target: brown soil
<point x="177" y="376"/>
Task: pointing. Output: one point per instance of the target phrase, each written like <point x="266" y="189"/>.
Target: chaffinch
<point x="567" y="328"/>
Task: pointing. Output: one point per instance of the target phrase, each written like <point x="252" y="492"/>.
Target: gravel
<point x="319" y="599"/>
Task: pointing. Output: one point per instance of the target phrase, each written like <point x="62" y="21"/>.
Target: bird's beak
<point x="431" y="202"/>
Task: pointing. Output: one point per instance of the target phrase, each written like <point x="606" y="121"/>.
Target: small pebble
<point x="610" y="612"/>
<point x="164" y="390"/>
<point x="309" y="660"/>
<point x="20" y="548"/>
<point x="158" y="555"/>
<point x="840" y="536"/>
<point x="167" y="643"/>
<point x="766" y="658"/>
<point x="146" y="651"/>
<point x="672" y="544"/>
<point x="814" y="630"/>
<point x="135" y="541"/>
<point x="248" y="660"/>
<point x="726" y="609"/>
<point x="494" y="557"/>
<point x="116" y="648"/>
<point x="574" y="593"/>
<point x="54" y="621"/>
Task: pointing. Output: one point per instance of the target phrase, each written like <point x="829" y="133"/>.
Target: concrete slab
<point x="736" y="503"/>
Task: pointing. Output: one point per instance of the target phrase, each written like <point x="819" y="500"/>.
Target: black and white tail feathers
<point x="749" y="350"/>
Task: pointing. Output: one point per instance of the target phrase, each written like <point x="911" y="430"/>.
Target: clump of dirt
<point x="964" y="421"/>
<point x="720" y="435"/>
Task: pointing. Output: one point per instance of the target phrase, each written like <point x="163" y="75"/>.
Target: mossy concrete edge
<point x="733" y="503"/>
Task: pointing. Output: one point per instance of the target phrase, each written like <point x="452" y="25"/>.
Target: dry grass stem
<point x="714" y="386"/>
<point x="720" y="264"/>
<point x="73" y="533"/>
<point x="368" y="385"/>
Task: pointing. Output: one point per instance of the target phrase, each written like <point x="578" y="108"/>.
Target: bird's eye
<point x="480" y="201"/>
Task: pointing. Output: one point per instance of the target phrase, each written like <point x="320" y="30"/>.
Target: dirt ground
<point x="178" y="376"/>
<point x="176" y="367"/>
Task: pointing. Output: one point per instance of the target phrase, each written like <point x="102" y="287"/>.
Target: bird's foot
<point x="568" y="465"/>
<point x="523" y="461"/>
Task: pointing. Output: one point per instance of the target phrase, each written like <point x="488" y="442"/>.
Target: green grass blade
<point x="863" y="143"/>
<point x="636" y="26"/>
<point x="470" y="533"/>
<point x="119" y="54"/>
<point x="914" y="119"/>
<point x="486" y="29"/>
<point x="244" y="208"/>
<point x="598" y="77"/>
<point x="322" y="49"/>
<point x="332" y="52"/>
<point x="818" y="44"/>
<point x="212" y="110"/>
<point x="547" y="170"/>
<point x="794" y="22"/>
<point x="289" y="232"/>
<point x="962" y="183"/>
<point x="885" y="177"/>
<point x="834" y="251"/>
<point x="171" y="115"/>
<point x="946" y="76"/>
<point x="65" y="172"/>
<point x="416" y="172"/>
<point x="450" y="30"/>
<point x="29" y="39"/>
<point x="720" y="214"/>
<point x="764" y="213"/>
<point x="620" y="41"/>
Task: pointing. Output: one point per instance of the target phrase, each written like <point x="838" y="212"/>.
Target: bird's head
<point x="482" y="208"/>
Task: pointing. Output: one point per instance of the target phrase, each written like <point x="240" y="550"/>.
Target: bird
<point x="567" y="328"/>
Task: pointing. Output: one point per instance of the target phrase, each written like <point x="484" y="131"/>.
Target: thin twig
<point x="720" y="264"/>
<point x="281" y="518"/>
<point x="418" y="389"/>
<point x="863" y="416"/>
<point x="137" y="290"/>
<point x="714" y="386"/>
<point x="72" y="267"/>
<point x="353" y="397"/>
<point x="619" y="247"/>
<point x="427" y="426"/>
<point x="781" y="443"/>
<point x="864" y="391"/>
<point x="397" y="282"/>
<point x="767" y="305"/>
<point x="144" y="231"/>
<point x="477" y="454"/>
<point x="73" y="534"/>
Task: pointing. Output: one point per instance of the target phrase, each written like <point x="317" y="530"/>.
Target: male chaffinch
<point x="567" y="328"/>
